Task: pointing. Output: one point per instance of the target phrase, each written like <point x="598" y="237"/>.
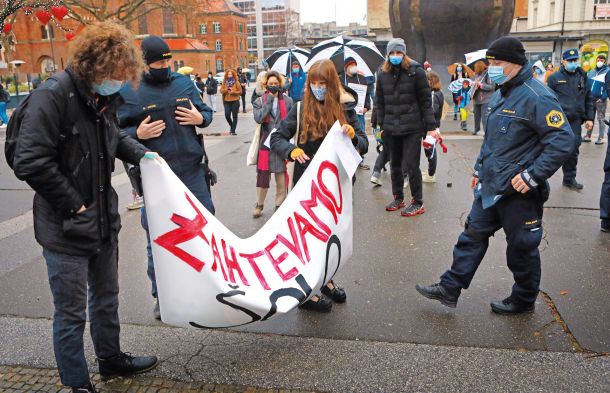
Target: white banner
<point x="361" y="91"/>
<point x="209" y="277"/>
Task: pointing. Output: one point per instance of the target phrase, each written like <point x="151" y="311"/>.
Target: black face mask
<point x="274" y="89"/>
<point x="160" y="75"/>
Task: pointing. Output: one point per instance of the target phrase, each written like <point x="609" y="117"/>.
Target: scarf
<point x="231" y="82"/>
<point x="282" y="104"/>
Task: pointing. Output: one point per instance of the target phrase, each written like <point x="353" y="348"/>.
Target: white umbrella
<point x="281" y="60"/>
<point x="473" y="57"/>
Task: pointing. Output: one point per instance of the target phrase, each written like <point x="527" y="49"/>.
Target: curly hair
<point x="106" y="50"/>
<point x="273" y="74"/>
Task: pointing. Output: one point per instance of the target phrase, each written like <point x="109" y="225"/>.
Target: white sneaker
<point x="376" y="181"/>
<point x="427" y="178"/>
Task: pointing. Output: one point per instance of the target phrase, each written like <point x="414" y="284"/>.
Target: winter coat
<point x="243" y="81"/>
<point x="574" y="94"/>
<point x="280" y="141"/>
<point x="404" y="101"/>
<point x="178" y="145"/>
<point x="70" y="165"/>
<point x="263" y="109"/>
<point x="527" y="132"/>
<point x="598" y="89"/>
<point x="438" y="100"/>
<point x="360" y="80"/>
<point x="296" y="87"/>
<point x="234" y="94"/>
<point x="482" y="95"/>
<point x="211" y="86"/>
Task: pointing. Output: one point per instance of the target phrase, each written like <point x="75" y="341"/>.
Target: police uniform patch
<point x="555" y="119"/>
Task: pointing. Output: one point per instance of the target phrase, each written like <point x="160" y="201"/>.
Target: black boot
<point x="124" y="364"/>
<point x="573" y="185"/>
<point x="337" y="294"/>
<point x="89" y="388"/>
<point x="438" y="292"/>
<point x="510" y="306"/>
<point x="319" y="305"/>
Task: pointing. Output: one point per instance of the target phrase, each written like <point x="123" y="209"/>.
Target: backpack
<point x="14" y="124"/>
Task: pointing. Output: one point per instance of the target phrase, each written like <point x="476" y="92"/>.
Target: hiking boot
<point x="157" y="310"/>
<point x="337" y="294"/>
<point x="414" y="209"/>
<point x="395" y="205"/>
<point x="124" y="364"/>
<point x="573" y="185"/>
<point x="439" y="292"/>
<point x="510" y="306"/>
<point x="319" y="304"/>
<point x="258" y="211"/>
<point x="376" y="180"/>
<point x="89" y="388"/>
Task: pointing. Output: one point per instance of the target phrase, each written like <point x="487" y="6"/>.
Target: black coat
<point x="573" y="91"/>
<point x="211" y="86"/>
<point x="70" y="164"/>
<point x="438" y="100"/>
<point x="404" y="101"/>
<point x="280" y="140"/>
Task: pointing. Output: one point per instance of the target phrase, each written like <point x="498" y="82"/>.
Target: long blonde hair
<point x="406" y="63"/>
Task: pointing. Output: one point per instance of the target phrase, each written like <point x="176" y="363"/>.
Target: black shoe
<point x="438" y="292"/>
<point x="233" y="133"/>
<point x="337" y="294"/>
<point x="395" y="205"/>
<point x="475" y="132"/>
<point x="157" y="310"/>
<point x="510" y="306"/>
<point x="90" y="388"/>
<point x="320" y="305"/>
<point x="605" y="227"/>
<point x="124" y="364"/>
<point x="573" y="185"/>
<point x="414" y="209"/>
<point x="454" y="117"/>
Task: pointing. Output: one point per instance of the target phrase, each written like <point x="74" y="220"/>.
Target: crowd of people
<point x="118" y="100"/>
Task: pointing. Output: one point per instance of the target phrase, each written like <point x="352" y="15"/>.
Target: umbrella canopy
<point x="473" y="57"/>
<point x="281" y="60"/>
<point x="340" y="48"/>
<point x="185" y="70"/>
<point x="451" y="69"/>
<point x="456" y="85"/>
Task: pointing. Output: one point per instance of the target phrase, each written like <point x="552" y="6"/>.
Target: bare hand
<point x="189" y="117"/>
<point x="364" y="110"/>
<point x="474" y="182"/>
<point x="588" y="125"/>
<point x="519" y="185"/>
<point x="148" y="130"/>
<point x="82" y="209"/>
<point x="435" y="134"/>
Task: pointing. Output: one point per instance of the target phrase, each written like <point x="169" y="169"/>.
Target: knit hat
<point x="398" y="45"/>
<point x="155" y="48"/>
<point x="508" y="49"/>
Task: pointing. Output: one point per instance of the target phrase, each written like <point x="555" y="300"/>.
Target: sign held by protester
<point x="208" y="277"/>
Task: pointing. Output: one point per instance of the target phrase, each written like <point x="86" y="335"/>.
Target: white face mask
<point x="600" y="64"/>
<point x="352" y="69"/>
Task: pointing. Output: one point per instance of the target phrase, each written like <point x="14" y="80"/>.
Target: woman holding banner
<point x="325" y="102"/>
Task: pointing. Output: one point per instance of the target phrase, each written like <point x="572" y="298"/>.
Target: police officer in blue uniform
<point x="573" y="91"/>
<point x="162" y="115"/>
<point x="527" y="139"/>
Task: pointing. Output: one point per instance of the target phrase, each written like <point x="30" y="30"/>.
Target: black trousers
<point x="243" y="100"/>
<point x="569" y="167"/>
<point x="231" y="111"/>
<point x="408" y="148"/>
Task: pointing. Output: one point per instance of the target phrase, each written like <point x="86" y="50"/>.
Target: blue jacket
<point x="297" y="86"/>
<point x="574" y="94"/>
<point x="598" y="89"/>
<point x="465" y="94"/>
<point x="178" y="145"/>
<point x="527" y="133"/>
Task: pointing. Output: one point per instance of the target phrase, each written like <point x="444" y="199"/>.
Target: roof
<point x="217" y="6"/>
<point x="184" y="44"/>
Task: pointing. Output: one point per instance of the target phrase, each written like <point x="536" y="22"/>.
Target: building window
<point x="44" y="31"/>
<point x="203" y="28"/>
<point x="240" y="27"/>
<point x="168" y="22"/>
<point x="178" y="64"/>
<point x="216" y="27"/>
<point x="218" y="45"/>
<point x="601" y="9"/>
<point x="219" y="66"/>
<point x="142" y="24"/>
<point x="240" y="46"/>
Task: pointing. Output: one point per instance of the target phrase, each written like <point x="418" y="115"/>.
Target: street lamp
<point x="16" y="64"/>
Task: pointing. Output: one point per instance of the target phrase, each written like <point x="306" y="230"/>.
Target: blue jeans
<point x="3" y="115"/>
<point x="68" y="278"/>
<point x="193" y="180"/>
<point x="521" y="217"/>
<point x="362" y="120"/>
<point x="604" y="201"/>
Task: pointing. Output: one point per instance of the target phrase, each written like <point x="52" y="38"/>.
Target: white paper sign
<point x="209" y="277"/>
<point x="361" y="91"/>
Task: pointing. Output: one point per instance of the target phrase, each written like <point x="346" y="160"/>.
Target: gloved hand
<point x="299" y="155"/>
<point x="349" y="131"/>
<point x="212" y="176"/>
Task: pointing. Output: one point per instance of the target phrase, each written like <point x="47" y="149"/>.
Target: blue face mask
<point x="396" y="59"/>
<point x="318" y="92"/>
<point x="459" y="70"/>
<point x="496" y="74"/>
<point x="108" y="87"/>
<point x="571" y="66"/>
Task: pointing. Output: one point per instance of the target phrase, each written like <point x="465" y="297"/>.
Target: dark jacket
<point x="178" y="145"/>
<point x="243" y="81"/>
<point x="573" y="91"/>
<point x="211" y="86"/>
<point x="483" y="94"/>
<point x="70" y="164"/>
<point x="527" y="132"/>
<point x="360" y="80"/>
<point x="438" y="100"/>
<point x="404" y="102"/>
<point x="598" y="89"/>
<point x="280" y="141"/>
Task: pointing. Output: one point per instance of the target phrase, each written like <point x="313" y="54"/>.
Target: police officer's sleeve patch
<point x="555" y="119"/>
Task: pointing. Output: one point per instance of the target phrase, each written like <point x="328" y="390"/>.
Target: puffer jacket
<point x="280" y="140"/>
<point x="404" y="101"/>
<point x="178" y="145"/>
<point x="69" y="165"/>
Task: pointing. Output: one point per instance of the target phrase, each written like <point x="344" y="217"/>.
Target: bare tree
<point x="10" y="7"/>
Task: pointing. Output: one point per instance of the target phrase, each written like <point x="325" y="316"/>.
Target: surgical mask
<point x="600" y="64"/>
<point x="396" y="60"/>
<point x="160" y="75"/>
<point x="318" y="92"/>
<point x="108" y="87"/>
<point x="496" y="74"/>
<point x="571" y="66"/>
<point x="352" y="70"/>
<point x="210" y="76"/>
<point x="295" y="70"/>
<point x="429" y="69"/>
<point x="459" y="69"/>
<point x="273" y="89"/>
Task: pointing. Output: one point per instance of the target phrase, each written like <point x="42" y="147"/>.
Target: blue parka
<point x="179" y="145"/>
<point x="527" y="133"/>
<point x="296" y="88"/>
